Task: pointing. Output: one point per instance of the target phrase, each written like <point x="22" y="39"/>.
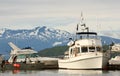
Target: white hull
<point x="84" y="62"/>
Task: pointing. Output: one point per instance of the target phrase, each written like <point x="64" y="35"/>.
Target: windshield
<point x="22" y="56"/>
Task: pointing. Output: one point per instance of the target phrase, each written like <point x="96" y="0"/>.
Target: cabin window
<point x="91" y="49"/>
<point x="34" y="55"/>
<point x="84" y="49"/>
<point x="21" y="56"/>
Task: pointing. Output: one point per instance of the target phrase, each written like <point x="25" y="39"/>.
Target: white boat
<point x="115" y="47"/>
<point x="30" y="58"/>
<point x="22" y="55"/>
<point x="27" y="55"/>
<point x="85" y="52"/>
<point x="116" y="59"/>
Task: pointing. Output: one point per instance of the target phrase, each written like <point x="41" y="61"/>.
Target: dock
<point x="43" y="64"/>
<point x="50" y="64"/>
<point x="113" y="67"/>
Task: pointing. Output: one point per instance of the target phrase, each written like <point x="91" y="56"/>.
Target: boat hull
<point x="23" y="66"/>
<point x="93" y="62"/>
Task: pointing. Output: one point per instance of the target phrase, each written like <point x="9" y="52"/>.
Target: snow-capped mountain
<point x="41" y="33"/>
<point x="38" y="38"/>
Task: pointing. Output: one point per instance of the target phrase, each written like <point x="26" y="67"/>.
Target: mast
<point x="82" y="24"/>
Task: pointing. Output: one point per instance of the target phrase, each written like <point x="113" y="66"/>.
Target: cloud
<point x="61" y="14"/>
<point x="57" y="43"/>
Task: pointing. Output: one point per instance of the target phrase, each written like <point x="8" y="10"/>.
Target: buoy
<point x="16" y="65"/>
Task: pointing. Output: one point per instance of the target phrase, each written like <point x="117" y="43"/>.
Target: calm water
<point x="60" y="72"/>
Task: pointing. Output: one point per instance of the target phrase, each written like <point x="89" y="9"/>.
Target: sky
<point x="102" y="16"/>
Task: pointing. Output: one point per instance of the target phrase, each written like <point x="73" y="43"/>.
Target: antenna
<point x="82" y="18"/>
<point x="81" y="23"/>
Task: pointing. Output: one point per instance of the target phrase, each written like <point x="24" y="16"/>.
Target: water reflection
<point x="81" y="72"/>
<point x="56" y="72"/>
<point x="15" y="71"/>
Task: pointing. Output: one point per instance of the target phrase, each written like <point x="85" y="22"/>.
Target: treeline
<point x="53" y="52"/>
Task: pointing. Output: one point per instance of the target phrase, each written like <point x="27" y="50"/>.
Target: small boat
<point x="26" y="55"/>
<point x="27" y="59"/>
<point x="115" y="47"/>
<point x="115" y="60"/>
<point x="22" y="59"/>
<point x="85" y="52"/>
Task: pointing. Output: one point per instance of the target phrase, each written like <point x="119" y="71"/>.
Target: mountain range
<point x="38" y="38"/>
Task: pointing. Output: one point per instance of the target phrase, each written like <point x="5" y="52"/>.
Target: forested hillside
<point x="53" y="52"/>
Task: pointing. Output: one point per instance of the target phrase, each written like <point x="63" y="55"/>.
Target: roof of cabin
<point x="94" y="33"/>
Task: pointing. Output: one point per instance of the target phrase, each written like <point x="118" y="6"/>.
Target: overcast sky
<point x="102" y="15"/>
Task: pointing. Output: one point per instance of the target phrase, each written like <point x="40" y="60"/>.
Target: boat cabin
<point x="85" y="42"/>
<point x="22" y="55"/>
<point x="115" y="47"/>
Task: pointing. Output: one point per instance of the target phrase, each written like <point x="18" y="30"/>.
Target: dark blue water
<point x="60" y="72"/>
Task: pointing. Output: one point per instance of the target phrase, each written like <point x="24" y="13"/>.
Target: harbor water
<point x="59" y="72"/>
